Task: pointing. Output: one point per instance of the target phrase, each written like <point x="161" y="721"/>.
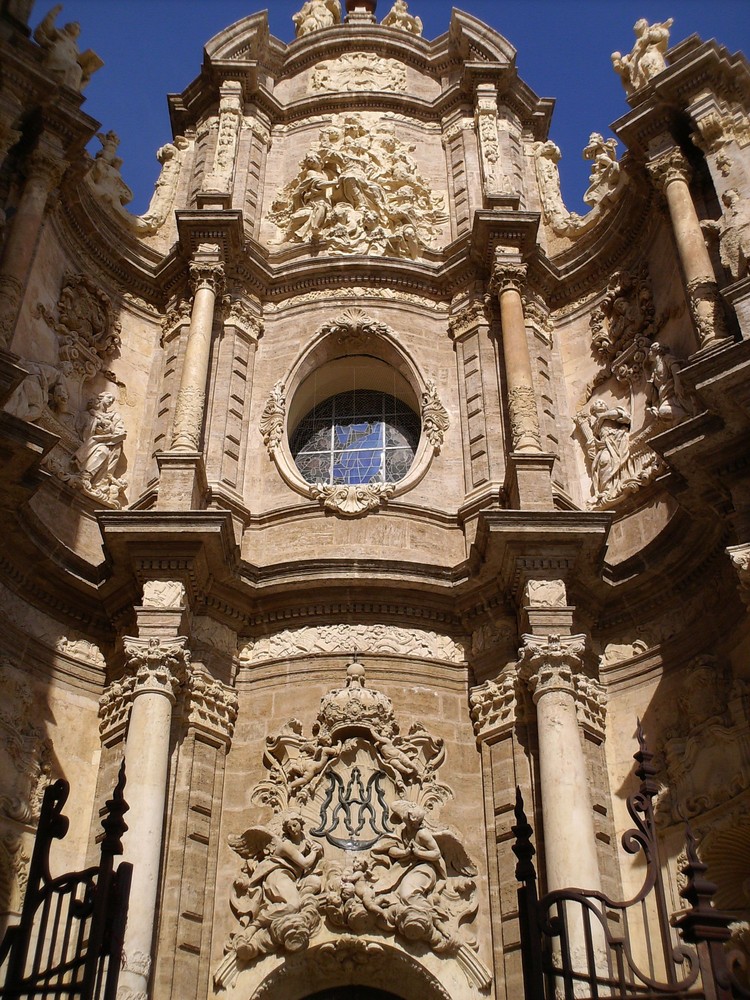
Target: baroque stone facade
<point x="359" y="481"/>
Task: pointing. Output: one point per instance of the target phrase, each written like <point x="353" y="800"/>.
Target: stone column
<point x="44" y="171"/>
<point x="207" y="277"/>
<point x="671" y="173"/>
<point x="508" y="279"/>
<point x="159" y="665"/>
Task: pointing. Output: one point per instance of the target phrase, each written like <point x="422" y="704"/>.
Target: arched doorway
<point x="353" y="993"/>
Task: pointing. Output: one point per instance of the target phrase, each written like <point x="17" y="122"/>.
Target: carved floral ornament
<point x="354" y="846"/>
<point x="353" y="328"/>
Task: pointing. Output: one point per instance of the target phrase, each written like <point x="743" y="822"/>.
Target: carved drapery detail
<point x="351" y="501"/>
<point x="171" y="156"/>
<point x="387" y="868"/>
<point x="399" y="17"/>
<point x="549" y="664"/>
<point x="497" y="705"/>
<point x="272" y="419"/>
<point x="159" y="665"/>
<point x="315" y="15"/>
<point x="359" y="71"/>
<point x="360" y="190"/>
<point x="211" y="705"/>
<point x="647" y="58"/>
<point x="188" y="418"/>
<point x="379" y="638"/>
<point x="524" y="420"/>
<point x="435" y="420"/>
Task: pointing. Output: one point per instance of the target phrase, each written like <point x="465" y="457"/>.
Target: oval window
<point x="361" y="436"/>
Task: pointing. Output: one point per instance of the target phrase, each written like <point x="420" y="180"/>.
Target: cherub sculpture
<point x="399" y="17"/>
<point x="61" y="55"/>
<point x="317" y="14"/>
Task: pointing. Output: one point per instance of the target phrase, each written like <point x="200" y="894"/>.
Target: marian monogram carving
<point x="360" y="191"/>
<point x="353" y="844"/>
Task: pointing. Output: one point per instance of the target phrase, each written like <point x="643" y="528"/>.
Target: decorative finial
<point x="360" y="11"/>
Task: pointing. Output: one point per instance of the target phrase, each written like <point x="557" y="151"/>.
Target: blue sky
<point x="154" y="47"/>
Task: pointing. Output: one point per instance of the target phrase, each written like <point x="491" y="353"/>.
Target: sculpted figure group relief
<point x="360" y="191"/>
<point x="58" y="396"/>
<point x="354" y="845"/>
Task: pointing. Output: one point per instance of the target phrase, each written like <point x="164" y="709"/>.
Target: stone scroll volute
<point x="354" y="845"/>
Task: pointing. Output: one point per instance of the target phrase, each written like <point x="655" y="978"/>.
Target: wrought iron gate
<point x="68" y="941"/>
<point x="578" y="944"/>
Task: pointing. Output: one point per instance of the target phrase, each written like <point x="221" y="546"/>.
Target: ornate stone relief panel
<point x="359" y="71"/>
<point x="354" y="846"/>
<point x="623" y="328"/>
<point x="332" y="638"/>
<point x="706" y="756"/>
<point x="91" y="439"/>
<point x="360" y="190"/>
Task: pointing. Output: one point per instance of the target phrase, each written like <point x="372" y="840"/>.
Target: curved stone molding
<point x="393" y="639"/>
<point x="359" y="190"/>
<point x="389" y="868"/>
<point x="359" y="71"/>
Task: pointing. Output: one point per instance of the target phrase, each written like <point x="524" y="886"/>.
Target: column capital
<point x="508" y="274"/>
<point x="206" y="274"/>
<point x="548" y="664"/>
<point x="211" y="706"/>
<point x="159" y="664"/>
<point x="46" y="168"/>
<point x="669" y="166"/>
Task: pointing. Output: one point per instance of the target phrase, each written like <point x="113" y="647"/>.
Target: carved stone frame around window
<point x="352" y="338"/>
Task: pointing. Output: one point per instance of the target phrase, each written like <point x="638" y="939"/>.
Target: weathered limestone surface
<point x="359" y="481"/>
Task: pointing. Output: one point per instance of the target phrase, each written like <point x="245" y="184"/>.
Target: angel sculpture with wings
<point x="274" y="897"/>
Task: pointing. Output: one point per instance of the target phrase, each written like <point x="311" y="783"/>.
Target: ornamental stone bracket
<point x="354" y="847"/>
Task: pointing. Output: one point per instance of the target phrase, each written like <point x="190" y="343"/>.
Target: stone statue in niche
<point x="733" y="233"/>
<point x="399" y="17"/>
<point x="667" y="402"/>
<point x="62" y="57"/>
<point x="316" y="14"/>
<point x="647" y="57"/>
<point x="360" y="191"/>
<point x="374" y="860"/>
<point x="94" y="464"/>
<point x="605" y="171"/>
<point x="618" y="463"/>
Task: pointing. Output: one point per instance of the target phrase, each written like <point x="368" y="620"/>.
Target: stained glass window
<point x="362" y="436"/>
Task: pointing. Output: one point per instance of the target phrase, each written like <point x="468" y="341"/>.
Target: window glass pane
<point x="363" y="436"/>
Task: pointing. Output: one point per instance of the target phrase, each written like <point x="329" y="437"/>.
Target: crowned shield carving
<point x="354" y="845"/>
